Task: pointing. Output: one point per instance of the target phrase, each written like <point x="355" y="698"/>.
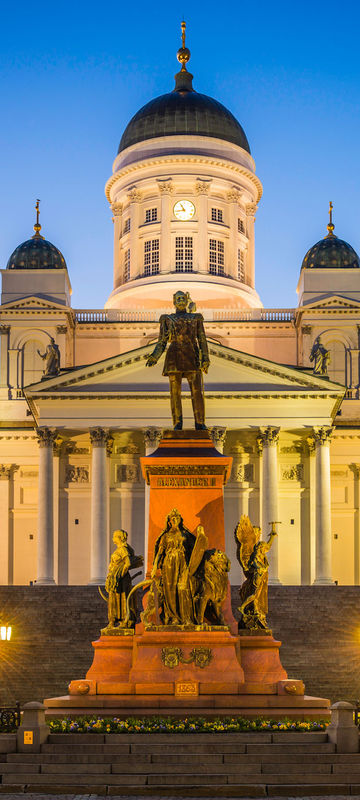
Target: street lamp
<point x="5" y="633"/>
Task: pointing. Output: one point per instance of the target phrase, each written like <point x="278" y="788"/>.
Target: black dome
<point x="183" y="111"/>
<point x="332" y="253"/>
<point x="36" y="253"/>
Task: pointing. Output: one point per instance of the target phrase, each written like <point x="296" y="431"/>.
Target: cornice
<point x="118" y="395"/>
<point x="166" y="160"/>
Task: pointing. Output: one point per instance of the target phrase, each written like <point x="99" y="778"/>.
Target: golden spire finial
<point x="183" y="54"/>
<point x="37" y="226"/>
<point x="331" y="225"/>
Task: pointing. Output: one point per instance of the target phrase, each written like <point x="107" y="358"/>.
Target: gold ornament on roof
<point x="183" y="54"/>
<point x="331" y="225"/>
<point x="37" y="226"/>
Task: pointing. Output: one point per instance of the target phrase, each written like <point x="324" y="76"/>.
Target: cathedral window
<point x="127" y="266"/>
<point x="151" y="257"/>
<point x="241" y="226"/>
<point x="217" y="215"/>
<point x="127" y="225"/>
<point x="151" y="215"/>
<point x="241" y="265"/>
<point x="184" y="254"/>
<point x="216" y="257"/>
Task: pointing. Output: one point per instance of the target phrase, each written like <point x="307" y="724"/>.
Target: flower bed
<point x="175" y="725"/>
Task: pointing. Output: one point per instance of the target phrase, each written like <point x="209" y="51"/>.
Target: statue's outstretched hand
<point x="151" y="361"/>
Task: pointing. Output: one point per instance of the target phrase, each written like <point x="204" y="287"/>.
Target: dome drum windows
<point x="241" y="265"/>
<point x="152" y="257"/>
<point x="127" y="265"/>
<point x="241" y="226"/>
<point x="184" y="254"/>
<point x="216" y="257"/>
<point x="151" y="215"/>
<point x="127" y="225"/>
<point x="217" y="215"/>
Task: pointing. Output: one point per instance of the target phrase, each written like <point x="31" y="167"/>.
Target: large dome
<point x="183" y="112"/>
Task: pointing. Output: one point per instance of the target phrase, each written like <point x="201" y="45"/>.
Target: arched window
<point x="337" y="363"/>
<point x="33" y="366"/>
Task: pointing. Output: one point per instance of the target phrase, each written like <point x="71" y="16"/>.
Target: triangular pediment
<point x="230" y="372"/>
<point x="33" y="301"/>
<point x="329" y="302"/>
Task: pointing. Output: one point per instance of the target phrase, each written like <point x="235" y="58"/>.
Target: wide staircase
<point x="228" y="765"/>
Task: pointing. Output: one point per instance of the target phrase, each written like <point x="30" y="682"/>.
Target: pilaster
<point x="202" y="188"/>
<point x="166" y="189"/>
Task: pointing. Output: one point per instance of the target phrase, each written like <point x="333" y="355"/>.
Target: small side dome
<point x="37" y="252"/>
<point x="331" y="252"/>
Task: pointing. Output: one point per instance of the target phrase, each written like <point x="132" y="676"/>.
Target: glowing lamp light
<point x="5" y="633"/>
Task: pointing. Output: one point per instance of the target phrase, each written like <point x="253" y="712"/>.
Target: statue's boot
<point x="178" y="425"/>
<point x="200" y="426"/>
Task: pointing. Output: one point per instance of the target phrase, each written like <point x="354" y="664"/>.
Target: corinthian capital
<point x="218" y="435"/>
<point x="233" y="195"/>
<point x="7" y="470"/>
<point x="202" y="186"/>
<point x="269" y="436"/>
<point x="322" y="435"/>
<point x="165" y="186"/>
<point x="134" y="195"/>
<point x="251" y="209"/>
<point x="99" y="437"/>
<point x="46" y="437"/>
<point x="116" y="209"/>
<point x="152" y="437"/>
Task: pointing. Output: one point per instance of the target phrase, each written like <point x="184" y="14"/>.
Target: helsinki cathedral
<point x="78" y="407"/>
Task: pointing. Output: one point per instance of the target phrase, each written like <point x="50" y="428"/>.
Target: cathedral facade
<point x="78" y="406"/>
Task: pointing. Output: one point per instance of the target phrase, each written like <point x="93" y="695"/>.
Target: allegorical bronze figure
<point x="251" y="553"/>
<point x="187" y="357"/>
<point x="189" y="582"/>
<point x="51" y="358"/>
<point x="118" y="585"/>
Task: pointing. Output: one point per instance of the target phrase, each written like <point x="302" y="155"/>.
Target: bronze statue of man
<point x="187" y="357"/>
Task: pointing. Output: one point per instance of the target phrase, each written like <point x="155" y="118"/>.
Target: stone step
<point x="88" y="748"/>
<point x="263" y="749"/>
<point x="182" y="758"/>
<point x="190" y="738"/>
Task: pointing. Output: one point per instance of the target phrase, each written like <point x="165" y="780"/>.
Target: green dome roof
<point x="332" y="253"/>
<point x="183" y="112"/>
<point x="36" y="253"/>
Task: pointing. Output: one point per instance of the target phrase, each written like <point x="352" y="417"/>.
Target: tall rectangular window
<point x="241" y="226"/>
<point x="217" y="215"/>
<point x="127" y="266"/>
<point x="184" y="254"/>
<point x="151" y="215"/>
<point x="151" y="257"/>
<point x="127" y="225"/>
<point x="216" y="257"/>
<point x="241" y="265"/>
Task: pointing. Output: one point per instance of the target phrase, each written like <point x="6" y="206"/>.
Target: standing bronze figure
<point x="187" y="357"/>
<point x="251" y="553"/>
<point x="51" y="358"/>
<point x="320" y="356"/>
<point x="118" y="584"/>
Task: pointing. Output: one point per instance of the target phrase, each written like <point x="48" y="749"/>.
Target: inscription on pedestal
<point x="186" y="689"/>
<point x="184" y="482"/>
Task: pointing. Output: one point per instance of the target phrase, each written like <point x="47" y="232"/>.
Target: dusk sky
<point x="73" y="74"/>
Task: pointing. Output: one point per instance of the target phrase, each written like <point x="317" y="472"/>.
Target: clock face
<point x="184" y="209"/>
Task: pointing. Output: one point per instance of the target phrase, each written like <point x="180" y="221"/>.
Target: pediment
<point x="329" y="302"/>
<point x="231" y="372"/>
<point x="33" y="301"/>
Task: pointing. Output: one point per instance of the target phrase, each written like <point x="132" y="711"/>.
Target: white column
<point x="5" y="477"/>
<point x="166" y="189"/>
<point x="270" y="438"/>
<point x="152" y="437"/>
<point x="202" y="189"/>
<point x="136" y="256"/>
<point x="45" y="543"/>
<point x="218" y="435"/>
<point x="323" y="571"/>
<point x="4" y="345"/>
<point x="233" y="197"/>
<point x="250" y="254"/>
<point x="117" y="220"/>
<point x="99" y="507"/>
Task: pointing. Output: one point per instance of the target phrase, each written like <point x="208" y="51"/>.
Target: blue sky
<point x="73" y="74"/>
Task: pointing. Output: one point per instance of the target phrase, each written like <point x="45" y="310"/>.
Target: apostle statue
<point x="51" y="358"/>
<point x="118" y="584"/>
<point x="187" y="357"/>
<point x="252" y="556"/>
<point x="320" y="356"/>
